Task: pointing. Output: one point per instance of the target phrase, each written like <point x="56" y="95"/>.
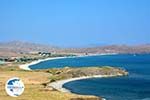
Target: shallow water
<point x="136" y="86"/>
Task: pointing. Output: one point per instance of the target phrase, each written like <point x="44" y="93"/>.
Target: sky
<point x="73" y="23"/>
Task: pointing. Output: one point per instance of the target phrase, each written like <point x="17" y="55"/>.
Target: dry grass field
<point x="34" y="90"/>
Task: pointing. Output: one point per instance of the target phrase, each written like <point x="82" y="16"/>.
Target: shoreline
<point x="58" y="85"/>
<point x="26" y="66"/>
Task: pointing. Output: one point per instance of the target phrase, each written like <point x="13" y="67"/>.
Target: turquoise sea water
<point x="136" y="86"/>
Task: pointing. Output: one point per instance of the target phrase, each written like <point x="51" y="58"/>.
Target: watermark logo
<point x="14" y="87"/>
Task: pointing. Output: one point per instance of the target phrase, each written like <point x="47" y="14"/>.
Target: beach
<point x="137" y="81"/>
<point x="26" y="66"/>
<point x="58" y="85"/>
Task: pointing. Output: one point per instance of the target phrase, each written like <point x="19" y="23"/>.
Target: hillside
<point x="145" y="48"/>
<point x="17" y="48"/>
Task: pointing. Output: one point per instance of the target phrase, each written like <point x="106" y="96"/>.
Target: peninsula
<point x="65" y="75"/>
<point x="48" y="83"/>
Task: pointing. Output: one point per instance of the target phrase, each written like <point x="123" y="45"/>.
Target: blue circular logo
<point x="14" y="87"/>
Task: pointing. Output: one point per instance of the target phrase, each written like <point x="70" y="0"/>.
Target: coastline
<point x="58" y="85"/>
<point x="26" y="66"/>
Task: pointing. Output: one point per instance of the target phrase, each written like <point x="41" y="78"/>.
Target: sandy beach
<point x="58" y="85"/>
<point x="26" y="66"/>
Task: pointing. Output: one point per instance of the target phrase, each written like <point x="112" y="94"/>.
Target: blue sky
<point x="76" y="22"/>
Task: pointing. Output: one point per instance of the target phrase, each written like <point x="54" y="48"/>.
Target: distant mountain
<point x="16" y="48"/>
<point x="145" y="48"/>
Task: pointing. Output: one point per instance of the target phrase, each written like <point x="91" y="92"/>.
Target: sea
<point x="135" y="86"/>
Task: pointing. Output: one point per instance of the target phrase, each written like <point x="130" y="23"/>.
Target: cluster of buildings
<point x="25" y="58"/>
